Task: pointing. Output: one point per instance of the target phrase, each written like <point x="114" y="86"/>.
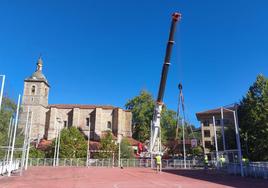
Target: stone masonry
<point x="47" y="118"/>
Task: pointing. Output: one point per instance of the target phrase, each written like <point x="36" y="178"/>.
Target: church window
<point x="65" y="124"/>
<point x="45" y="91"/>
<point x="109" y="125"/>
<point x="87" y="122"/>
<point x="33" y="90"/>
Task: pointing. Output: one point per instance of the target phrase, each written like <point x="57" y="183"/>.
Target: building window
<point x="218" y="122"/>
<point x="207" y="144"/>
<point x="207" y="133"/>
<point x="87" y="122"/>
<point x="45" y="91"/>
<point x="206" y="123"/>
<point x="109" y="125"/>
<point x="33" y="90"/>
<point x="65" y="124"/>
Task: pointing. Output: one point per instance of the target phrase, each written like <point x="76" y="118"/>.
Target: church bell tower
<point x="35" y="98"/>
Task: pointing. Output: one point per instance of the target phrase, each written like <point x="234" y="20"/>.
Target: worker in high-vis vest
<point x="245" y="161"/>
<point x="158" y="163"/>
<point x="222" y="160"/>
<point x="206" y="161"/>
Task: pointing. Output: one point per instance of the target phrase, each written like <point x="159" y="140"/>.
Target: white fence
<point x="5" y="166"/>
<point x="252" y="169"/>
<point x="145" y="163"/>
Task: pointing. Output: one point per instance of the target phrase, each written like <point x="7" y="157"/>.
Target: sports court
<point x="66" y="177"/>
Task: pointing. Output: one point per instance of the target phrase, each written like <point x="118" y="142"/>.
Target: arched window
<point x="33" y="90"/>
<point x="109" y="125"/>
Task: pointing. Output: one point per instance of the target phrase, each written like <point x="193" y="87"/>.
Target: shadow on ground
<point x="221" y="178"/>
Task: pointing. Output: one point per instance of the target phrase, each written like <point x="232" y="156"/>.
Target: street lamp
<point x="2" y="89"/>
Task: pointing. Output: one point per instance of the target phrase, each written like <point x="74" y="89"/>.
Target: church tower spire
<point x="39" y="64"/>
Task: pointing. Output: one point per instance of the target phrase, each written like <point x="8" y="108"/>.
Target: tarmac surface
<point x="76" y="177"/>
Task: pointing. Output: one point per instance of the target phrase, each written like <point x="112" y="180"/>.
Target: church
<point x="47" y="118"/>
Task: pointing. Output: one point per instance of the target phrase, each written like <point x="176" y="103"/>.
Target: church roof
<point x="81" y="106"/>
<point x="38" y="74"/>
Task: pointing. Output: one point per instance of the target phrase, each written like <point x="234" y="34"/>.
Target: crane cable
<point x="181" y="103"/>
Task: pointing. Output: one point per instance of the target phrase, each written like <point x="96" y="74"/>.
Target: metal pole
<point x="25" y="141"/>
<point x="14" y="136"/>
<point x="238" y="142"/>
<point x="88" y="148"/>
<point x="184" y="153"/>
<point x="216" y="142"/>
<point x="58" y="149"/>
<point x="9" y="127"/>
<point x="222" y="130"/>
<point x="119" y="150"/>
<point x="29" y="141"/>
<point x="151" y="147"/>
<point x="2" y="89"/>
<point x="8" y="137"/>
<point x="56" y="141"/>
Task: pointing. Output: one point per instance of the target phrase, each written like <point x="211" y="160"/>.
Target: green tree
<point x="36" y="153"/>
<point x="142" y="108"/>
<point x="72" y="144"/>
<point x="126" y="150"/>
<point x="196" y="151"/>
<point x="168" y="125"/>
<point x="8" y="110"/>
<point x="253" y="119"/>
<point x="108" y="144"/>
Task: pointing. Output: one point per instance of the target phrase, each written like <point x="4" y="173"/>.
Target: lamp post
<point x="2" y="89"/>
<point x="237" y="137"/>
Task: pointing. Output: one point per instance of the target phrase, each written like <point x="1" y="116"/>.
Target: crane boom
<point x="155" y="146"/>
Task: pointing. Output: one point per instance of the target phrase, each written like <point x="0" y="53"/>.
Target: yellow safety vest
<point x="158" y="159"/>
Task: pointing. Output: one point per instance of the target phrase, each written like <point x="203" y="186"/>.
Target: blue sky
<point x="106" y="52"/>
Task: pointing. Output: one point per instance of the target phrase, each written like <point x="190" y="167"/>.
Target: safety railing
<point x="252" y="169"/>
<point x="109" y="162"/>
<point x="5" y="166"/>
